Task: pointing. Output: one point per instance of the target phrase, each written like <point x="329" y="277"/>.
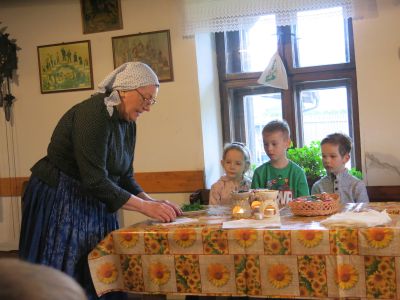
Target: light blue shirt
<point x="349" y="188"/>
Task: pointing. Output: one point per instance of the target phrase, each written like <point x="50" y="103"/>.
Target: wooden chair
<point x="200" y="196"/>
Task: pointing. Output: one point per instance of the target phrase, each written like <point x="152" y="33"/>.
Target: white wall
<point x="377" y="50"/>
<point x="210" y="106"/>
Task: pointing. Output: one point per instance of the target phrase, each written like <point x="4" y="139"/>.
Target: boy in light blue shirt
<point x="335" y="150"/>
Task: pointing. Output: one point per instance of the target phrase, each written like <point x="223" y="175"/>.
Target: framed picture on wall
<point x="101" y="15"/>
<point x="152" y="48"/>
<point x="65" y="67"/>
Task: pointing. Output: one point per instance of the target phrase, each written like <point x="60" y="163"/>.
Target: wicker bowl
<point x="308" y="206"/>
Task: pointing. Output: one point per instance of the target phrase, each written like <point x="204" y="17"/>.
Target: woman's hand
<point x="158" y="210"/>
<point x="175" y="207"/>
<point x="152" y="208"/>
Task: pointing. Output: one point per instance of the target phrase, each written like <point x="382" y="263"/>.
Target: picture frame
<point x="65" y="67"/>
<point x="100" y="16"/>
<point x="152" y="48"/>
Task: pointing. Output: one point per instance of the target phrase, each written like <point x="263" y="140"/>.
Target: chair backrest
<point x="200" y="196"/>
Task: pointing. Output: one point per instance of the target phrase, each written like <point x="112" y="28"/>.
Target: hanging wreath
<point x="8" y="63"/>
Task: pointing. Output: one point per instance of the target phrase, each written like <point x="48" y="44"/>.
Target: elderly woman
<point x="71" y="200"/>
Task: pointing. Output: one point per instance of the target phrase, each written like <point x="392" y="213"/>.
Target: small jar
<point x="269" y="211"/>
<point x="241" y="207"/>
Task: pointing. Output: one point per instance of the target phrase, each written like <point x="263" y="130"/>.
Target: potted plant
<point x="309" y="158"/>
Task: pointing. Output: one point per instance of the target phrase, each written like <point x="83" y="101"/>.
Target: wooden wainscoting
<point x="384" y="193"/>
<point x="151" y="182"/>
<point x="11" y="186"/>
<point x="187" y="182"/>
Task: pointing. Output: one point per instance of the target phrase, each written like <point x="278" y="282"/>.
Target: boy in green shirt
<point x="279" y="173"/>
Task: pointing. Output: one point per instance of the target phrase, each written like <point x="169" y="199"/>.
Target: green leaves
<point x="192" y="207"/>
<point x="356" y="173"/>
<point x="309" y="158"/>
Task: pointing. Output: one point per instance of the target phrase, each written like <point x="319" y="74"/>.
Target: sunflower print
<point x="346" y="276"/>
<point x="380" y="277"/>
<point x="94" y="254"/>
<point x="217" y="274"/>
<point x="279" y="275"/>
<point x="310" y="272"/>
<point x="343" y="241"/>
<point x="245" y="237"/>
<point x="310" y="238"/>
<point x="132" y="272"/>
<point x="247" y="270"/>
<point x="128" y="239"/>
<point x="215" y="241"/>
<point x="156" y="242"/>
<point x="187" y="274"/>
<point x="107" y="273"/>
<point x="376" y="280"/>
<point x="312" y="276"/>
<point x="277" y="242"/>
<point x="379" y="237"/>
<point x="159" y="273"/>
<point x="106" y="246"/>
<point x="184" y="237"/>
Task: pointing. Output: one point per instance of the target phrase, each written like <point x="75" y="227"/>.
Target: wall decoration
<point x="101" y="15"/>
<point x="8" y="65"/>
<point x="152" y="48"/>
<point x="65" y="67"/>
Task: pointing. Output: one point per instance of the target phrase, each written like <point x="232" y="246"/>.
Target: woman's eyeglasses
<point x="148" y="101"/>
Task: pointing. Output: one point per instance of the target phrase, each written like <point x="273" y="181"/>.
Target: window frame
<point x="230" y="83"/>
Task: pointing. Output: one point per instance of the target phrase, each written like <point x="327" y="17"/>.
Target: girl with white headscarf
<point x="72" y="197"/>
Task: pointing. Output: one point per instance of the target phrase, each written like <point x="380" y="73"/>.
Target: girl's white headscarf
<point x="129" y="76"/>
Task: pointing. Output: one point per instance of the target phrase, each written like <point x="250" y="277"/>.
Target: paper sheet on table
<point x="180" y="220"/>
<point x="368" y="218"/>
<point x="274" y="221"/>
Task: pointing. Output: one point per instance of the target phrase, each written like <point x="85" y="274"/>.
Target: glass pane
<point x="259" y="110"/>
<point x="258" y="44"/>
<point x="321" y="37"/>
<point x="324" y="111"/>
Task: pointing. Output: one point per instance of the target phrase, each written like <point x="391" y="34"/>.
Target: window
<point x="322" y="97"/>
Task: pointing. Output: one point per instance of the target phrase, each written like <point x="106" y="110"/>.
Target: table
<point x="300" y="259"/>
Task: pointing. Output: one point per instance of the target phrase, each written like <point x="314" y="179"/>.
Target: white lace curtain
<point x="228" y="15"/>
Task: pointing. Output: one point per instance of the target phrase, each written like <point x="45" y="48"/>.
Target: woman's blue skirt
<point x="61" y="225"/>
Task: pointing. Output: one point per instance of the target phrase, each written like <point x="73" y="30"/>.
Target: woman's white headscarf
<point x="129" y="76"/>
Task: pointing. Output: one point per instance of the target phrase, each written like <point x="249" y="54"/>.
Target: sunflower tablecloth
<point x="301" y="259"/>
